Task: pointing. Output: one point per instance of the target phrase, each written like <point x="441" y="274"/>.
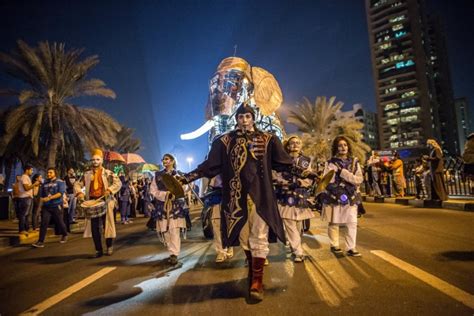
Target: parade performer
<point x="245" y="157"/>
<point x="341" y="199"/>
<point x="169" y="212"/>
<point x="99" y="183"/>
<point x="292" y="193"/>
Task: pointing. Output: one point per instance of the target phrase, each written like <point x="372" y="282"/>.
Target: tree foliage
<point x="46" y="122"/>
<point x="320" y="123"/>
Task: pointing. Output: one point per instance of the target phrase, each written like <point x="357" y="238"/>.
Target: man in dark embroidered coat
<point x="245" y="157"/>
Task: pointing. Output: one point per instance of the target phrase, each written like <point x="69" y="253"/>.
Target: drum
<point x="94" y="208"/>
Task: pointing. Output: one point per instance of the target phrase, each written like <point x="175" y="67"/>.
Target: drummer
<point x="169" y="210"/>
<point x="99" y="182"/>
<point x="292" y="194"/>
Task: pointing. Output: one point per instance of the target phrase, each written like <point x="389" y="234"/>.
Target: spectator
<point x="418" y="171"/>
<point x="70" y="179"/>
<point x="25" y="199"/>
<point x="468" y="158"/>
<point x="436" y="164"/>
<point x="398" y="174"/>
<point x="52" y="193"/>
<point x="374" y="165"/>
<point x="124" y="200"/>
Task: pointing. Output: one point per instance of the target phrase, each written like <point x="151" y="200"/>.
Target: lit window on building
<point x="410" y="110"/>
<point x="391" y="106"/>
<point x="390" y="90"/>
<point x="413" y="142"/>
<point x="408" y="94"/>
<point x="408" y="103"/>
<point x="393" y="137"/>
<point x="394" y="145"/>
<point x="391" y="114"/>
<point x="397" y="18"/>
<point x="393" y="121"/>
<point x="397" y="27"/>
<point x="403" y="64"/>
<point x="400" y="34"/>
<point x="410" y="118"/>
<point x="385" y="61"/>
<point x="385" y="45"/>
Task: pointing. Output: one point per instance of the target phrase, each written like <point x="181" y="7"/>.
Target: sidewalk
<point x="9" y="235"/>
<point x="461" y="204"/>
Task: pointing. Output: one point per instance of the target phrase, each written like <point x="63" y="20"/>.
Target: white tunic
<point x="337" y="213"/>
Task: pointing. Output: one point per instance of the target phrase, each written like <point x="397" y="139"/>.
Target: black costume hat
<point x="245" y="108"/>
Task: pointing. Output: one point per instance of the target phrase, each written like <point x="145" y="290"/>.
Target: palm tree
<point x="126" y="143"/>
<point x="53" y="76"/>
<point x="320" y="123"/>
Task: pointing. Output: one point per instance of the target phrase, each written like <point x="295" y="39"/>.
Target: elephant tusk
<point x="201" y="130"/>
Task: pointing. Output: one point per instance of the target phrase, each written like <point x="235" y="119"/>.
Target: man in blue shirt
<point x="52" y="192"/>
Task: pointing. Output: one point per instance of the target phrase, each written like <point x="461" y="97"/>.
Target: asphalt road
<point x="415" y="262"/>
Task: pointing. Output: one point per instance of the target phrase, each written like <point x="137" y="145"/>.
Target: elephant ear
<point x="267" y="92"/>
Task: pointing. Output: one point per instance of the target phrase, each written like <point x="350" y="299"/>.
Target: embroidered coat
<point x="245" y="161"/>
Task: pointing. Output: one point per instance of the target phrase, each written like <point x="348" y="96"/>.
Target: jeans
<point x="23" y="207"/>
<point x="46" y="213"/>
<point x="124" y="210"/>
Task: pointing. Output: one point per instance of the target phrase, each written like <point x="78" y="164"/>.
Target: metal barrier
<point x="456" y="183"/>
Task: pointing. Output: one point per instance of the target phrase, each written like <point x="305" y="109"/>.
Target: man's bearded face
<point x="96" y="161"/>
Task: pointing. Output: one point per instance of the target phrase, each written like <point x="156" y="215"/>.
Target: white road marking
<point x="53" y="300"/>
<point x="443" y="286"/>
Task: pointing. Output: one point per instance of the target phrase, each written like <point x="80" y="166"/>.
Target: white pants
<point x="254" y="234"/>
<point x="349" y="236"/>
<point x="216" y="227"/>
<point x="173" y="240"/>
<point x="293" y="232"/>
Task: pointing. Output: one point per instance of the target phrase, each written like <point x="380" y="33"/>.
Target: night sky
<point x="158" y="56"/>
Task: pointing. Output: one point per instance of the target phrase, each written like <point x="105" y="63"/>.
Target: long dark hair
<point x="335" y="143"/>
<point x="170" y="156"/>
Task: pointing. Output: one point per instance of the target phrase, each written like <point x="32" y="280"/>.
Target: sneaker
<point x="336" y="250"/>
<point x="63" y="239"/>
<point x="173" y="260"/>
<point x="129" y="221"/>
<point x="38" y="244"/>
<point x="109" y="251"/>
<point x="299" y="258"/>
<point x="230" y="252"/>
<point x="221" y="256"/>
<point x="124" y="222"/>
<point x="353" y="253"/>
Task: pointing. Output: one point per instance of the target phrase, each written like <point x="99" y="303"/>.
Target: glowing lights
<point x="403" y="64"/>
<point x="200" y="131"/>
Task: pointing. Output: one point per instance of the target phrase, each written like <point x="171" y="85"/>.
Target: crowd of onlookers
<point x="388" y="175"/>
<point x="133" y="198"/>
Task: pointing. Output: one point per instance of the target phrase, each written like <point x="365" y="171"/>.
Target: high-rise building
<point x="464" y="127"/>
<point x="369" y="119"/>
<point x="406" y="102"/>
<point x="438" y="57"/>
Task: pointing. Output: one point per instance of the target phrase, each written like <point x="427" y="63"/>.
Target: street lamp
<point x="189" y="160"/>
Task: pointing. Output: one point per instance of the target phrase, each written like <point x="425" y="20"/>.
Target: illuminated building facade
<point x="464" y="127"/>
<point x="407" y="107"/>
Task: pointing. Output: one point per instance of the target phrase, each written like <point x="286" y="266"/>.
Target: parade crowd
<point x="260" y="191"/>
